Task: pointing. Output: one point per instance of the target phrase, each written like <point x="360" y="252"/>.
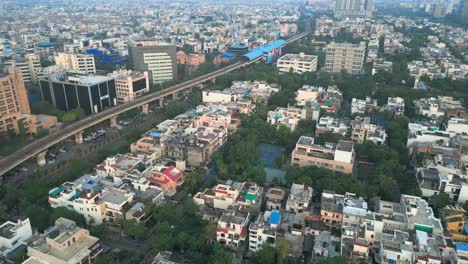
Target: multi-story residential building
<point x="168" y="179"/>
<point x="223" y="196"/>
<point x="454" y="220"/>
<point x="298" y="63"/>
<point x="15" y="114"/>
<point x="291" y="116"/>
<point x="359" y="106"/>
<point x="191" y="60"/>
<point x="158" y="59"/>
<point x="331" y="210"/>
<point x="299" y="198"/>
<point x="35" y="68"/>
<point x="76" y="62"/>
<point x="440" y="106"/>
<point x="275" y="198"/>
<point x="291" y="230"/>
<point x="345" y="57"/>
<point x="458" y="126"/>
<point x="396" y="105"/>
<point x="263" y="230"/>
<point x="326" y="245"/>
<point x="334" y="125"/>
<point x="150" y="145"/>
<point x="130" y="85"/>
<point x="427" y="133"/>
<point x="331" y="100"/>
<point x="337" y="157"/>
<point x="13" y="235"/>
<point x="29" y="65"/>
<point x="354" y="9"/>
<point x="119" y="166"/>
<point x="64" y="243"/>
<point x="381" y="65"/>
<point x="419" y="215"/>
<point x="90" y="200"/>
<point x="212" y="97"/>
<point x="232" y="228"/>
<point x="363" y="130"/>
<point x="91" y="93"/>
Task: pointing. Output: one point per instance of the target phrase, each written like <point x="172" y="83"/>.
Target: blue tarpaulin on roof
<point x="155" y="134"/>
<point x="275" y="218"/>
<point x="462" y="246"/>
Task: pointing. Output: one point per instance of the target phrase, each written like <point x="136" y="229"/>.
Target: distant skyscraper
<point x="159" y="59"/>
<point x="354" y="8"/>
<point x="464" y="9"/>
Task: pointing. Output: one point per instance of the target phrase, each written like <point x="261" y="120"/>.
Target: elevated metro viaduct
<point x="39" y="147"/>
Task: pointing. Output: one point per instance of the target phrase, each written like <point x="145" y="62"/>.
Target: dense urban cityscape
<point x="215" y="131"/>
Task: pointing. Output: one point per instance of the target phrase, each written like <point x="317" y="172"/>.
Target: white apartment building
<point x="429" y="107"/>
<point x="291" y="116"/>
<point x="299" y="198"/>
<point x="345" y="56"/>
<point x="219" y="97"/>
<point x="427" y="134"/>
<point x="395" y="105"/>
<point x="130" y="85"/>
<point x="458" y="126"/>
<point x="333" y="125"/>
<point x="95" y="205"/>
<point x="232" y="228"/>
<point x="359" y="106"/>
<point x="13" y="235"/>
<point x="220" y="196"/>
<point x="263" y="230"/>
<point x="299" y="63"/>
<point x="76" y="62"/>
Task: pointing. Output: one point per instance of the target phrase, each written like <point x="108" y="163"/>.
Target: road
<point x="50" y="140"/>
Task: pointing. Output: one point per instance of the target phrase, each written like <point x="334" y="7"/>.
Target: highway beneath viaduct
<point x="39" y="147"/>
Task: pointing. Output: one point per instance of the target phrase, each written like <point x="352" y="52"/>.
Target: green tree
<point x="439" y="201"/>
<point x="135" y="230"/>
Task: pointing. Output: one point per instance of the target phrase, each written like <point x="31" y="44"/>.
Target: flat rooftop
<point x="298" y="57"/>
<point x="114" y="196"/>
<point x="87" y="80"/>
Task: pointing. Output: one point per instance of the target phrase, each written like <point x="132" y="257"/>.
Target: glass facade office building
<point x="92" y="93"/>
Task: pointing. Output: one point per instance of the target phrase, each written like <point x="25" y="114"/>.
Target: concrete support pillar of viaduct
<point x="113" y="121"/>
<point x="174" y="96"/>
<point x="145" y="109"/>
<point x="79" y="137"/>
<point x="213" y="81"/>
<point x="41" y="158"/>
<point x="161" y="102"/>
